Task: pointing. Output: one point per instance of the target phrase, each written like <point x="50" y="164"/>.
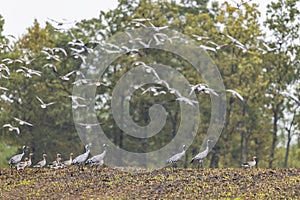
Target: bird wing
<point x="7" y="125"/>
<point x="240" y="97"/>
<point x="40" y="100"/>
<point x="15" y="159"/>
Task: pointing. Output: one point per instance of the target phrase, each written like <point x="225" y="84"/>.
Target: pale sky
<point x="20" y="14"/>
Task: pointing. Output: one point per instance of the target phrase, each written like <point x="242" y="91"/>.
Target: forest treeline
<point x="259" y="61"/>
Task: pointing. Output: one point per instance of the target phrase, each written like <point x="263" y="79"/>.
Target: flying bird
<point x="235" y="93"/>
<point x="202" y="87"/>
<point x="44" y="105"/>
<point x="67" y="76"/>
<point x="22" y="122"/>
<point x="12" y="128"/>
<point x="187" y="101"/>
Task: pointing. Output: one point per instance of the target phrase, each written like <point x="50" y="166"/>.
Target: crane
<point x="16" y="158"/>
<point x="200" y="156"/>
<point x="177" y="157"/>
<point x="80" y="160"/>
<point x="97" y="159"/>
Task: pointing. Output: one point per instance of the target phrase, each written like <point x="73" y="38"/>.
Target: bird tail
<point x="192" y="160"/>
<point x="87" y="162"/>
<point x="245" y="165"/>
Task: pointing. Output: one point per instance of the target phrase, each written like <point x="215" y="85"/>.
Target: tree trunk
<point x="242" y="146"/>
<point x="274" y="140"/>
<point x="287" y="150"/>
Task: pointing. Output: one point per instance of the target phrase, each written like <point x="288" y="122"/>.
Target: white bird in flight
<point x="44" y="105"/>
<point x="12" y="128"/>
<point x="235" y="93"/>
<point x="22" y="122"/>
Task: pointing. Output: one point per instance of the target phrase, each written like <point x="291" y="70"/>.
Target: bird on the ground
<point x="29" y="162"/>
<point x="56" y="164"/>
<point x="41" y="163"/>
<point x="173" y="160"/>
<point x="68" y="162"/>
<point x="12" y="128"/>
<point x="22" y="165"/>
<point x="44" y="105"/>
<point x="22" y="122"/>
<point x="97" y="159"/>
<point x="80" y="160"/>
<point x="200" y="156"/>
<point x="16" y="158"/>
<point x="250" y="164"/>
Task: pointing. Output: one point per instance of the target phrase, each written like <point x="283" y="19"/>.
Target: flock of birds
<point x="200" y="156"/>
<point x="80" y="160"/>
<point x="98" y="160"/>
<point x="77" y="50"/>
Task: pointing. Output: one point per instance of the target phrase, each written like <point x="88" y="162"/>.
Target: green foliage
<point x="251" y="128"/>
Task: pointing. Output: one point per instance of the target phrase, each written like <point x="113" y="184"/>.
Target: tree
<point x="281" y="70"/>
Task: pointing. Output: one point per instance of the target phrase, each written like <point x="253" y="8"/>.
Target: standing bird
<point x="16" y="158"/>
<point x="22" y="165"/>
<point x="29" y="162"/>
<point x="98" y="159"/>
<point x="200" y="156"/>
<point x="41" y="163"/>
<point x="250" y="164"/>
<point x="68" y="162"/>
<point x="56" y="164"/>
<point x="176" y="157"/>
<point x="80" y="160"/>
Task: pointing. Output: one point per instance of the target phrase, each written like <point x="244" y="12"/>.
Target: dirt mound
<point x="164" y="183"/>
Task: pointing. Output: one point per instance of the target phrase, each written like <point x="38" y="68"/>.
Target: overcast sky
<point x="20" y="14"/>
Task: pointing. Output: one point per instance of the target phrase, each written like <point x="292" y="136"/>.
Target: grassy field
<point x="108" y="183"/>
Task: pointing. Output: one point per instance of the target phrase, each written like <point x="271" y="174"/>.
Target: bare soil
<point x="108" y="183"/>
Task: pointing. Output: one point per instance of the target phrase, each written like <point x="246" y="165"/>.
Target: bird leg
<point x="11" y="169"/>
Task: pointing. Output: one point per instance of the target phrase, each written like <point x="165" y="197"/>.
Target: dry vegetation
<point x="107" y="183"/>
